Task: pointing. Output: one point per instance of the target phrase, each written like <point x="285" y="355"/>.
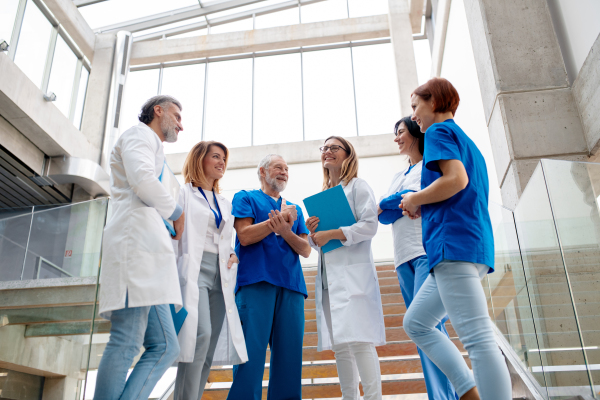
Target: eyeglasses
<point x="334" y="149"/>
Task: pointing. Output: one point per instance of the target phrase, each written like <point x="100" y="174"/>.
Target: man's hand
<point x="312" y="223"/>
<point x="232" y="260"/>
<point x="409" y="208"/>
<point x="278" y="224"/>
<point x="179" y="226"/>
<point x="321" y="238"/>
<point x="289" y="212"/>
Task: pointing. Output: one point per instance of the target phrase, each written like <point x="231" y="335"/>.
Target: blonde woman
<point x="348" y="302"/>
<point x="207" y="268"/>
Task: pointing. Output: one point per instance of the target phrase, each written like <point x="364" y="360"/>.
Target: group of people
<point x="241" y="299"/>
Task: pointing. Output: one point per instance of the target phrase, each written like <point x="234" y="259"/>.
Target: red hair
<point x="444" y="95"/>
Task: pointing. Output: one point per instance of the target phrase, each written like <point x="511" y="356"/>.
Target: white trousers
<point x="356" y="361"/>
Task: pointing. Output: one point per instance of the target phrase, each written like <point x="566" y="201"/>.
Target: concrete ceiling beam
<point x="67" y="14"/>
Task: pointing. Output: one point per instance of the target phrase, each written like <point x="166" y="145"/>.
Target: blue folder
<point x="333" y="210"/>
<point x="178" y="317"/>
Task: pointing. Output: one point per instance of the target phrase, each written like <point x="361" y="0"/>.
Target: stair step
<point x="332" y="390"/>
<point x="391" y="298"/>
<point x="389" y="289"/>
<point x="329" y="370"/>
<point x="398" y="308"/>
<point x="391" y="349"/>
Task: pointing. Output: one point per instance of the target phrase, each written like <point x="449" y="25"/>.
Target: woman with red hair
<point x="458" y="240"/>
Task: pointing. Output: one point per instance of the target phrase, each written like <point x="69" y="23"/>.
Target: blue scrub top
<point x="458" y="228"/>
<point x="272" y="259"/>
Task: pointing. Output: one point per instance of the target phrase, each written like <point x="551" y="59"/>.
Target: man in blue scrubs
<point x="270" y="291"/>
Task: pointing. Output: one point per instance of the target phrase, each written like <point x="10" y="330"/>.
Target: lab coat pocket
<point x="360" y="279"/>
<point x="144" y="220"/>
<point x="183" y="266"/>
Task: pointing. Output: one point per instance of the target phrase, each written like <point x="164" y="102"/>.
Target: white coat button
<point x="227" y="285"/>
<point x="221" y="236"/>
<point x="230" y="310"/>
<point x="222" y="260"/>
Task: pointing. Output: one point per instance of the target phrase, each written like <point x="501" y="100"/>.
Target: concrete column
<point x="528" y="104"/>
<point x="96" y="99"/>
<point x="404" y="54"/>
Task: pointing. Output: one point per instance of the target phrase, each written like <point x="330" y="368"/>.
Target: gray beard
<point x="168" y="131"/>
<point x="275" y="185"/>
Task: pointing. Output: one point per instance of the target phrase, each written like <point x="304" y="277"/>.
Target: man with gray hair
<point x="138" y="278"/>
<point x="270" y="291"/>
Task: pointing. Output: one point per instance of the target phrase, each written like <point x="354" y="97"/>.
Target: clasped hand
<point x="278" y="223"/>
<point x="409" y="207"/>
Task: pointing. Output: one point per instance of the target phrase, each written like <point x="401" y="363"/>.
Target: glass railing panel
<point x="46" y="324"/>
<point x="14" y="233"/>
<point x="65" y="241"/>
<point x="509" y="294"/>
<point x="548" y="289"/>
<point x="574" y="190"/>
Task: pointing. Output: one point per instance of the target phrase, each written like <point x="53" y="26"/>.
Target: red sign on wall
<point x="68" y="253"/>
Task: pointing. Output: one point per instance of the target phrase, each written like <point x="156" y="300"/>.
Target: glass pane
<point x="277" y="99"/>
<point x="576" y="186"/>
<point x="279" y="18"/>
<point x="82" y="91"/>
<point x="115" y="11"/>
<point x="554" y="316"/>
<point x="140" y="86"/>
<point x="243" y="25"/>
<point x="62" y="75"/>
<point x="186" y="84"/>
<point x="34" y="39"/>
<point x="14" y="231"/>
<point x="8" y="13"/>
<point x="328" y="94"/>
<point x="422" y="59"/>
<point x="65" y="241"/>
<point x="376" y="89"/>
<point x="324" y="11"/>
<point x="508" y="299"/>
<point x="229" y="102"/>
<point x="361" y="8"/>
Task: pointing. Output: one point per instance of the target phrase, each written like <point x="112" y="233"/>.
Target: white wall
<point x="577" y="25"/>
<point x="458" y="66"/>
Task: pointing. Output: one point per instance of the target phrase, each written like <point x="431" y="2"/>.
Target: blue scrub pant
<point x="275" y="316"/>
<point x="412" y="275"/>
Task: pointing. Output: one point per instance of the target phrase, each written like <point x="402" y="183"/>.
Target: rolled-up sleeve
<point x="366" y="212"/>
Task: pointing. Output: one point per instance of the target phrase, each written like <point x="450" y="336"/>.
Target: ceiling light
<point x="3" y="45"/>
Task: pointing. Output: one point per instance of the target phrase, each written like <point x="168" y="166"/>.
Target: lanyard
<point x="218" y="216"/>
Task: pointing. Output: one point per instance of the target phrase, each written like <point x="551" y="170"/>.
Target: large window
<point x="34" y="41"/>
<point x="186" y="84"/>
<point x="278" y="99"/>
<point x="44" y="52"/>
<point x="141" y="85"/>
<point x="328" y="94"/>
<point x="229" y="102"/>
<point x="62" y="75"/>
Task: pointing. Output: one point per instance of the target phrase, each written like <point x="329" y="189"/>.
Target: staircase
<point x="400" y="365"/>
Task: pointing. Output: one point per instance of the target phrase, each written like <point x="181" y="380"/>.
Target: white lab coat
<point x="137" y="255"/>
<point x="355" y="300"/>
<point x="231" y="346"/>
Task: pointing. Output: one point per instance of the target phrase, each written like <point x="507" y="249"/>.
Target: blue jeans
<point x="275" y="316"/>
<point x="455" y="288"/>
<point x="412" y="275"/>
<point x="132" y="328"/>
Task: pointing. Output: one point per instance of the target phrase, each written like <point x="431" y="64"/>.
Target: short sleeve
<point x="301" y="227"/>
<point x="440" y="144"/>
<point x="241" y="206"/>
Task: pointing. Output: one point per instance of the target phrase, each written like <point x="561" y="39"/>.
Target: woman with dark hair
<point x="410" y="259"/>
<point x="458" y="239"/>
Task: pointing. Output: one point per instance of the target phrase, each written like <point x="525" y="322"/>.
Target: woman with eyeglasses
<point x="411" y="262"/>
<point x="347" y="298"/>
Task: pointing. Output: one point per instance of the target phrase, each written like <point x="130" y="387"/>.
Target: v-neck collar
<point x="276" y="203"/>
